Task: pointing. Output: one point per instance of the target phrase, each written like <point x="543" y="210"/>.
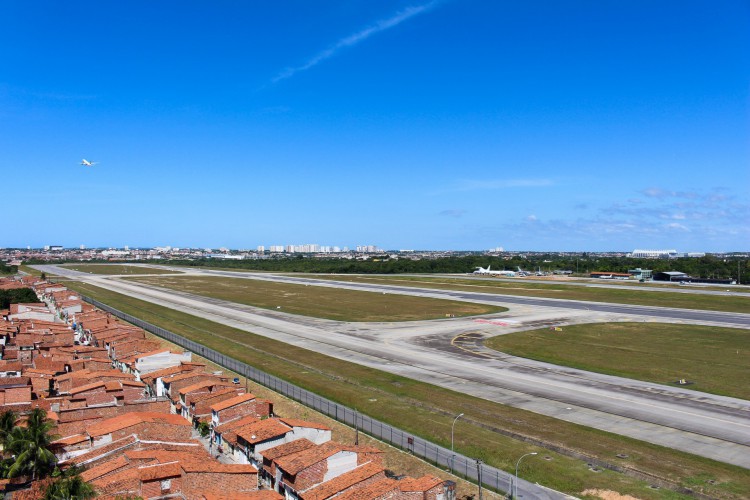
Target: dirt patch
<point x="607" y="495"/>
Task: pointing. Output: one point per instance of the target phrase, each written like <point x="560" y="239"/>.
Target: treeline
<point x="6" y="269"/>
<point x="17" y="296"/>
<point x="702" y="267"/>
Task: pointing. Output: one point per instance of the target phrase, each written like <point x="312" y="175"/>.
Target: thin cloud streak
<point x="473" y="185"/>
<point x="357" y="37"/>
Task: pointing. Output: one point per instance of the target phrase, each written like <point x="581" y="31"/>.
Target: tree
<point x="69" y="486"/>
<point x="7" y="423"/>
<point x="30" y="445"/>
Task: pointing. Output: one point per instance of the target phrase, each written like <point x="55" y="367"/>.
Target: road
<point x="703" y="424"/>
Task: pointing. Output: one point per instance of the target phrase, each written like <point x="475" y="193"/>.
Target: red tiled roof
<point x="203" y="384"/>
<point x="160" y="471"/>
<point x="263" y="430"/>
<point x="74" y="439"/>
<point x="372" y="490"/>
<point x="287" y="449"/>
<point x="248" y="495"/>
<point x="105" y="468"/>
<point x="423" y="483"/>
<point x="296" y="462"/>
<point x="232" y="402"/>
<point x="129" y="419"/>
<point x="344" y="482"/>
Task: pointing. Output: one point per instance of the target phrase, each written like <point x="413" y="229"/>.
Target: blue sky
<point x="540" y="125"/>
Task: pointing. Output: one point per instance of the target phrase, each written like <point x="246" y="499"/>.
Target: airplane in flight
<point x="87" y="163"/>
<point x="490" y="272"/>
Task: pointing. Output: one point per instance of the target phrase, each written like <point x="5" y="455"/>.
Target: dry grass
<point x="117" y="269"/>
<point x="320" y="302"/>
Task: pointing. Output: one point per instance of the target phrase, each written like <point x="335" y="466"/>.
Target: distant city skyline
<point x="431" y="125"/>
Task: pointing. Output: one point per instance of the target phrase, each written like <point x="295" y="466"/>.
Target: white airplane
<point x="87" y="163"/>
<point x="489" y="271"/>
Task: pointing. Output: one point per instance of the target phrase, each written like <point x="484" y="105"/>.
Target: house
<point x="146" y="425"/>
<point x="253" y="438"/>
<point x="30" y="311"/>
<point x="298" y="472"/>
<point x="160" y="473"/>
<point x="239" y="406"/>
<point x="267" y="469"/>
<point x="147" y="362"/>
<point x="155" y="380"/>
<point x="315" y="432"/>
<point x="427" y="487"/>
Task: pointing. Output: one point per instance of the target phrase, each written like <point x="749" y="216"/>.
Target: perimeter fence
<point x="470" y="468"/>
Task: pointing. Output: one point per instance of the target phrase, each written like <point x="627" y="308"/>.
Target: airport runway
<point x="712" y="426"/>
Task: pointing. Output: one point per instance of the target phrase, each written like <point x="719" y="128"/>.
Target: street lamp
<point x="453" y="455"/>
<point x="515" y="484"/>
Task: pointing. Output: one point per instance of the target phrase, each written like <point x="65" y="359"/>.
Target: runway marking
<point x="497" y="322"/>
<point x="465" y="337"/>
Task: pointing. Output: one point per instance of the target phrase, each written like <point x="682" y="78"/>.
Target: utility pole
<point x="356" y="429"/>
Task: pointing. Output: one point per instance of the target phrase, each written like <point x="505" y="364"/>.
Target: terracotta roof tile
<point x="372" y="490"/>
<point x="287" y="449"/>
<point x="105" y="468"/>
<point x="263" y="430"/>
<point x="423" y="483"/>
<point x="228" y="403"/>
<point x="160" y="471"/>
<point x="344" y="482"/>
<point x="294" y="463"/>
<point x="129" y="419"/>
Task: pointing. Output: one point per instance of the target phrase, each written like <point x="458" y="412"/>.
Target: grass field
<point x="428" y="411"/>
<point x="116" y="269"/>
<point x="320" y="302"/>
<point x="562" y="291"/>
<point x="713" y="359"/>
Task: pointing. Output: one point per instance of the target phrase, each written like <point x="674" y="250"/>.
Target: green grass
<point x="116" y="269"/>
<point x="428" y="411"/>
<point x="562" y="291"/>
<point x="714" y="359"/>
<point x="320" y="302"/>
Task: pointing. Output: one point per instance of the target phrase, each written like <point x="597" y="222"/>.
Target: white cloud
<point x="680" y="227"/>
<point x="356" y="38"/>
<point x="531" y="218"/>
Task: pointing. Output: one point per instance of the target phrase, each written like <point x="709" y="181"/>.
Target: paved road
<point x="712" y="426"/>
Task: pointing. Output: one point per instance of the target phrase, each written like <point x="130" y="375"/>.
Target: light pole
<point x="453" y="455"/>
<point x="515" y="483"/>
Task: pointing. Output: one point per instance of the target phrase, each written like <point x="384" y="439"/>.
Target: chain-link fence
<point x="461" y="465"/>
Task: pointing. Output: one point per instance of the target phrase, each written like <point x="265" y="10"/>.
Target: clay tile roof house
<point x="353" y="480"/>
<point x="160" y="473"/>
<point x="268" y="469"/>
<point x="315" y="432"/>
<point x="155" y="380"/>
<point x="198" y="405"/>
<point x="253" y="438"/>
<point x="425" y="488"/>
<point x="147" y="362"/>
<point x="225" y="433"/>
<point x="146" y="425"/>
<point x="300" y="471"/>
<point x="238" y="407"/>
